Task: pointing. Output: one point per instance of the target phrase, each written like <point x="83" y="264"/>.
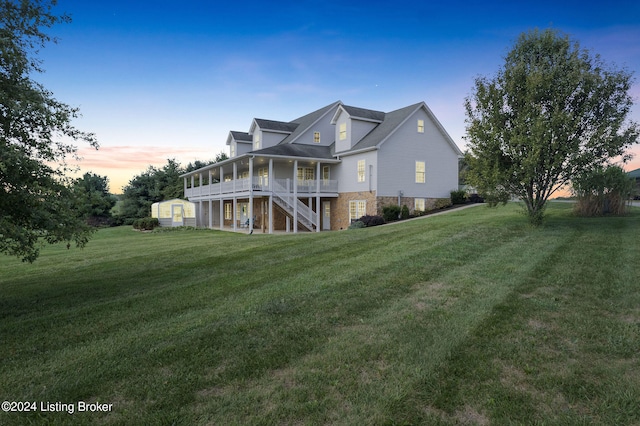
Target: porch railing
<point x="262" y="184"/>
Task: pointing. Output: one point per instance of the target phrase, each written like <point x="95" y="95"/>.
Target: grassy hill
<point x="471" y="317"/>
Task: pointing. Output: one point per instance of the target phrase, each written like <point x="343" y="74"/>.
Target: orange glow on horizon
<point x="122" y="163"/>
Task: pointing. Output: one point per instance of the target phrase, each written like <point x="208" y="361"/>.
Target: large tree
<point x="552" y="110"/>
<point x="36" y="138"/>
<point x="95" y="201"/>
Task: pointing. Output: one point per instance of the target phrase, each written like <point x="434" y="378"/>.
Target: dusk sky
<point x="166" y="79"/>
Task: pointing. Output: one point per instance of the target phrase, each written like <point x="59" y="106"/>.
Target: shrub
<point x="357" y="225"/>
<point x="391" y="213"/>
<point x="404" y="213"/>
<point x="146" y="223"/>
<point x="475" y="198"/>
<point x="601" y="191"/>
<point x="458" y="197"/>
<point x="442" y="203"/>
<point x="372" y="220"/>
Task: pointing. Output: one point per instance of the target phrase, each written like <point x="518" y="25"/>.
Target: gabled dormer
<point x="352" y="124"/>
<point x="267" y="133"/>
<point x="239" y="143"/>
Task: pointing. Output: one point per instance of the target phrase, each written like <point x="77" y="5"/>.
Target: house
<point x="326" y="169"/>
<point x="174" y="212"/>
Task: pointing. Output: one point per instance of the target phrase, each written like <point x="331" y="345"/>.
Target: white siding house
<point x="325" y="169"/>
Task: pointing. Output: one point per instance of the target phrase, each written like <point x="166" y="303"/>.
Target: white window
<point x="326" y="173"/>
<point x="305" y="173"/>
<point x="419" y="204"/>
<point x="233" y="149"/>
<point x="361" y="170"/>
<point x="357" y="209"/>
<point x="228" y="211"/>
<point x="256" y="141"/>
<point x="420" y="172"/>
<point x="316" y="137"/>
<point x="263" y="175"/>
<point x="343" y="131"/>
<point x="420" y="126"/>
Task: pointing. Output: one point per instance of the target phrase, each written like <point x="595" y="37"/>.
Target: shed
<point x="174" y="212"/>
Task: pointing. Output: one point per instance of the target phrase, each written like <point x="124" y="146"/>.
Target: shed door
<point x="177" y="215"/>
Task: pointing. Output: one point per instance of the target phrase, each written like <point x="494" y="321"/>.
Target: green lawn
<point x="472" y="317"/>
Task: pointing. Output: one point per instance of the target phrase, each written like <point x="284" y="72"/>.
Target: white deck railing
<point x="262" y="184"/>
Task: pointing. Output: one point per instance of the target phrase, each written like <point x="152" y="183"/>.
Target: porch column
<point x="270" y="213"/>
<point x="193" y="182"/>
<point x="250" y="194"/>
<point x="199" y="222"/>
<point x="221" y="181"/>
<point x="271" y="176"/>
<point x="295" y="196"/>
<point x="185" y="188"/>
<point x="235" y="177"/>
<point x="318" y="212"/>
<point x="318" y="209"/>
<point x="210" y="211"/>
<point x="235" y="212"/>
<point x="221" y="214"/>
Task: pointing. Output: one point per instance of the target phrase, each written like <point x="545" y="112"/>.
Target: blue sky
<point x="165" y="79"/>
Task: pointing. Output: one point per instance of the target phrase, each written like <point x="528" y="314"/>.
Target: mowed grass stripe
<point x="377" y="363"/>
<point x="347" y="327"/>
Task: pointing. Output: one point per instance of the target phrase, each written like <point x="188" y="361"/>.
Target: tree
<point x="36" y="202"/>
<point x="137" y="197"/>
<point x="551" y="111"/>
<point x="155" y="184"/>
<point x="95" y="201"/>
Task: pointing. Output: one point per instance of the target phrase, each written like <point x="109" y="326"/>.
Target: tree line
<point x="98" y="207"/>
<point x="154" y="185"/>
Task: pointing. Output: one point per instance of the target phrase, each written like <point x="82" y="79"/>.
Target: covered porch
<point x="269" y="193"/>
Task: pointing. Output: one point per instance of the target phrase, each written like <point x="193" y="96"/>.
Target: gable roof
<point x="239" y="137"/>
<point x="391" y="122"/>
<point x="634" y="174"/>
<point x="273" y="126"/>
<point x="359" y="114"/>
<point x="306" y="121"/>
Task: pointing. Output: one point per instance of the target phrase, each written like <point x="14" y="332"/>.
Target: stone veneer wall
<point x="340" y="207"/>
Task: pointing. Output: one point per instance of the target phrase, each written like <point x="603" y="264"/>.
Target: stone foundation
<point x="340" y="213"/>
